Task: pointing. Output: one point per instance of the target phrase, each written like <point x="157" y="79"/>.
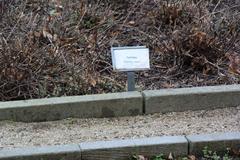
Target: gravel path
<point x="67" y="131"/>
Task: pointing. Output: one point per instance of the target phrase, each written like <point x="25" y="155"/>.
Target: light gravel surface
<point x="13" y="134"/>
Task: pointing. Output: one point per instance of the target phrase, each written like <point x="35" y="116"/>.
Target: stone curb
<point x="198" y="98"/>
<point x="123" y="149"/>
<point x="218" y="142"/>
<point x="61" y="152"/>
<point x="121" y="104"/>
<point x="97" y="106"/>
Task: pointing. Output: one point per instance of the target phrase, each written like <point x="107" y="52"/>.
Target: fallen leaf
<point x="236" y="151"/>
<point x="139" y="157"/>
<point x="47" y="34"/>
<point x="93" y="82"/>
<point x="167" y="85"/>
<point x="234" y="65"/>
<point x="37" y="34"/>
<point x="191" y="157"/>
<point x="131" y="22"/>
<point x="170" y="156"/>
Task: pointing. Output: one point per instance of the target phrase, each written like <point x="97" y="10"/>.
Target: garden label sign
<point x="130" y="59"/>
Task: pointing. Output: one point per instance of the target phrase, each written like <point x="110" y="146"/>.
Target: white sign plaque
<point x="130" y="58"/>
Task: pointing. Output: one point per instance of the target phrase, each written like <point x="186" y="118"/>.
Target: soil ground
<point x="72" y="131"/>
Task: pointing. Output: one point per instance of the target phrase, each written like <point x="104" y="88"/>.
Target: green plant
<point x="90" y="21"/>
<point x="227" y="155"/>
<point x="159" y="157"/>
<point x="215" y="156"/>
<point x="209" y="154"/>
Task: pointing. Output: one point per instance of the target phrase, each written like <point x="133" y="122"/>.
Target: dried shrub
<point x="58" y="48"/>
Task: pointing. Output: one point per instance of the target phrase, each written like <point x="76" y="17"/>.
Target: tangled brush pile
<point x="58" y="48"/>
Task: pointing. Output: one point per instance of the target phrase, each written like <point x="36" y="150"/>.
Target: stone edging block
<point x="89" y="106"/>
<point x="61" y="152"/>
<point x="123" y="149"/>
<point x="218" y="142"/>
<point x="197" y="98"/>
<point x="121" y="104"/>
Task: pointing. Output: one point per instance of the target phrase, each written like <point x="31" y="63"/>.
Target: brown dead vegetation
<point x="59" y="48"/>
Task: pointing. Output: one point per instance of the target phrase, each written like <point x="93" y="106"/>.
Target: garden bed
<point x="61" y="48"/>
<point x="207" y="154"/>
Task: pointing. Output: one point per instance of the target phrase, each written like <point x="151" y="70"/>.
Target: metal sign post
<point x="130" y="59"/>
<point x="131" y="81"/>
